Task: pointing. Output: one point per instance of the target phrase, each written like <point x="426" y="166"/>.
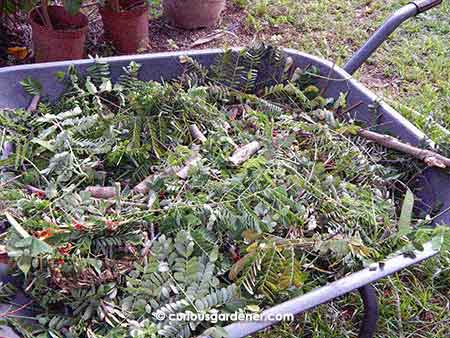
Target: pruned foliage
<point x="126" y="204"/>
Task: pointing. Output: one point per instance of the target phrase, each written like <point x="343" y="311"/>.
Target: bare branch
<point x="431" y="158"/>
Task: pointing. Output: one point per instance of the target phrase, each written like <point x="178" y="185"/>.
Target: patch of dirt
<point x="232" y="30"/>
<point x="373" y="77"/>
<point x="164" y="37"/>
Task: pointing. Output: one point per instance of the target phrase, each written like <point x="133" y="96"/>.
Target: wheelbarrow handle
<point x="389" y="26"/>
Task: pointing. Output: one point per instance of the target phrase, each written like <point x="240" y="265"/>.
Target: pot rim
<point x="134" y="12"/>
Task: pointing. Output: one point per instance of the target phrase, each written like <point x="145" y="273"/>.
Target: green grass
<point x="411" y="71"/>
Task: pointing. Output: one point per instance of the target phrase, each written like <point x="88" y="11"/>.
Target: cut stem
<point x="20" y="230"/>
<point x="183" y="173"/>
<point x="34" y="104"/>
<point x="144" y="186"/>
<point x="197" y="134"/>
<point x="431" y="158"/>
<point x="102" y="192"/>
<point x="242" y="154"/>
<point x="46" y="16"/>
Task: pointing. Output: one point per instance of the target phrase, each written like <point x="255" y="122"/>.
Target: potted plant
<point x="192" y="14"/>
<point x="59" y="32"/>
<point x="125" y="23"/>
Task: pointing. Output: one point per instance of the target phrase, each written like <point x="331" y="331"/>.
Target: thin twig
<point x="401" y="334"/>
<point x="431" y="158"/>
<point x="9" y="313"/>
<point x="349" y="109"/>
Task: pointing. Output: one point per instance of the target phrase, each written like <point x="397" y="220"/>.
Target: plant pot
<point x="127" y="30"/>
<point x="192" y="14"/>
<point x="65" y="41"/>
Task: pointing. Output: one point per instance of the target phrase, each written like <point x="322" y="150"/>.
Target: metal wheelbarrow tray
<point x="432" y="187"/>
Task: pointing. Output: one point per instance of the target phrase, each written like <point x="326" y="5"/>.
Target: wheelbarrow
<point x="432" y="187"/>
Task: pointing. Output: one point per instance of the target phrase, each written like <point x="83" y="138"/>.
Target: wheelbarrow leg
<point x="370" y="301"/>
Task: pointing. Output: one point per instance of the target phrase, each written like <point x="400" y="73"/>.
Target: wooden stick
<point x="144" y="186"/>
<point x="197" y="134"/>
<point x="34" y="104"/>
<point x="102" y="192"/>
<point x="431" y="158"/>
<point x="20" y="230"/>
<point x="242" y="154"/>
<point x="35" y="190"/>
<point x="183" y="173"/>
<point x="9" y="313"/>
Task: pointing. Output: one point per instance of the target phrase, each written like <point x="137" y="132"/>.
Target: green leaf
<point x="90" y="87"/>
<point x="436" y="242"/>
<point x="60" y="75"/>
<point x="106" y="85"/>
<point x="24" y="264"/>
<point x="39" y="247"/>
<point x="72" y="6"/>
<point x="441" y="238"/>
<point x="216" y="332"/>
<point x="31" y="86"/>
<point x="214" y="254"/>
<point x="96" y="264"/>
<point x="404" y="224"/>
<point x="253" y="308"/>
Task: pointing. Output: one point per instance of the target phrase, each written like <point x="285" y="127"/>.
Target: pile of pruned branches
<point x="217" y="191"/>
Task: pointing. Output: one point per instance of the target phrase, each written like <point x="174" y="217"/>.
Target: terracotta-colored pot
<point x="127" y="30"/>
<point x="192" y="14"/>
<point x="65" y="41"/>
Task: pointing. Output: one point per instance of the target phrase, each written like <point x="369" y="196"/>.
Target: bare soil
<point x="231" y="30"/>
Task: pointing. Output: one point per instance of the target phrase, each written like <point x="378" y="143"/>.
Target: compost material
<point x="218" y="191"/>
